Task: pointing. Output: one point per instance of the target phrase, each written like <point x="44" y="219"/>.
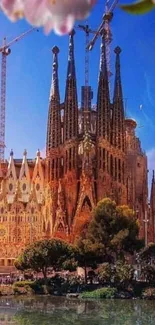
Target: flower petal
<point x="57" y="14"/>
<point x="12" y="8"/>
<point x="63" y="25"/>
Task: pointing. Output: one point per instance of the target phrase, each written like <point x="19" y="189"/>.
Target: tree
<point x="105" y="273"/>
<point x="86" y="254"/>
<point x="119" y="274"/>
<point x="45" y="254"/>
<point x="123" y="274"/>
<point x="112" y="232"/>
<point x="146" y="258"/>
<point x="148" y="273"/>
<point x="147" y="255"/>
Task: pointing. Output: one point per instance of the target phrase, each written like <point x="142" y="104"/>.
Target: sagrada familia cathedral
<point x="90" y="154"/>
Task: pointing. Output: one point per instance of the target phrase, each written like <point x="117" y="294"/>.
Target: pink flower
<point x="59" y="15"/>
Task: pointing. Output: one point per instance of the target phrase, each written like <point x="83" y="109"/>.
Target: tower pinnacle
<point x="103" y="98"/>
<point x="71" y="61"/>
<point x="118" y="84"/>
<point x="55" y="81"/>
<point x="54" y="118"/>
<point x="118" y="136"/>
<point x="71" y="103"/>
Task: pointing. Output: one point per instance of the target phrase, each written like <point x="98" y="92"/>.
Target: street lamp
<point x="146" y="220"/>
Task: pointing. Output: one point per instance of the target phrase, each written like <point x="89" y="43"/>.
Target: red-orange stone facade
<point x="90" y="154"/>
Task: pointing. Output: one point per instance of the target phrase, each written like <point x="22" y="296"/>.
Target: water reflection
<point x="61" y="311"/>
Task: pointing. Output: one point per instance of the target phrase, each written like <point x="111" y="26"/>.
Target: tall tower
<point x="117" y="157"/>
<point x="103" y="125"/>
<point x="152" y="208"/>
<point x="54" y="124"/>
<point x="71" y="103"/>
<point x="118" y="138"/>
<point x="70" y="132"/>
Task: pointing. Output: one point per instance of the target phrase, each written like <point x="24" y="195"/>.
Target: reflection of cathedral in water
<point x="90" y="154"/>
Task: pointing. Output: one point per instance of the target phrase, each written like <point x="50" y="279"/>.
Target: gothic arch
<point x="87" y="201"/>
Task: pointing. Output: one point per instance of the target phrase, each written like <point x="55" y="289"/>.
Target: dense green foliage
<point x="148" y="273"/>
<point x="101" y="293"/>
<point x="45" y="254"/>
<point x="111" y="234"/>
<point x="147" y="254"/>
<point x="119" y="274"/>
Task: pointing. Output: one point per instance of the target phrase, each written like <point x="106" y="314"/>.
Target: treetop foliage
<point x="45" y="254"/>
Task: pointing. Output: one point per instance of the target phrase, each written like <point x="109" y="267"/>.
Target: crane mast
<point x="105" y="25"/>
<point x="86" y="90"/>
<point x="5" y="51"/>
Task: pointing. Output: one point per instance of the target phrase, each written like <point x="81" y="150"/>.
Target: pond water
<point x="61" y="311"/>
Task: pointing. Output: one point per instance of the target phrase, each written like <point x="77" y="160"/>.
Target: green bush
<point x="21" y="284"/>
<point x="30" y="286"/>
<point x="148" y="293"/>
<point x="102" y="293"/>
<point x="16" y="290"/>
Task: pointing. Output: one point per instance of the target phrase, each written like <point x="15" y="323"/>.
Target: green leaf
<point x="140" y="7"/>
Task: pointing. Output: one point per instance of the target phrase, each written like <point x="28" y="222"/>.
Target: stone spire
<point x="55" y="81"/>
<point x="71" y="103"/>
<point x="54" y="116"/>
<point x="24" y="171"/>
<point x="11" y="172"/>
<point x="103" y="98"/>
<point x="71" y="62"/>
<point x="152" y="205"/>
<point x="152" y="198"/>
<point x="118" y="135"/>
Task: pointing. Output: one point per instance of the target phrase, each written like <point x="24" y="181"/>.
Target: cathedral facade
<point x="90" y="154"/>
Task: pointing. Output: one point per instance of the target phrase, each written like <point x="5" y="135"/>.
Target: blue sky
<point x="29" y="76"/>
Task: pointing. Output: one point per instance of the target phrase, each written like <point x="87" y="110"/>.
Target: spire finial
<point x="118" y="85"/>
<point x="71" y="62"/>
<point x="11" y="153"/>
<point x="55" y="50"/>
<point x="55" y="86"/>
<point x="117" y="50"/>
<point x="38" y="153"/>
<point x="153" y="176"/>
<point x="25" y="153"/>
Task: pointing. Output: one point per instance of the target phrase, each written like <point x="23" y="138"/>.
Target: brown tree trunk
<point x="44" y="272"/>
<point x="85" y="272"/>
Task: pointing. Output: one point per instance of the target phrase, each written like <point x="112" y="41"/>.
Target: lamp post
<point x="146" y="220"/>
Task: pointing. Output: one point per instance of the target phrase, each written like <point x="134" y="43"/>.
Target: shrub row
<point x="101" y="293"/>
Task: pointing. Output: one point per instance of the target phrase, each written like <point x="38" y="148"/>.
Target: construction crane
<point x="5" y="50"/>
<point x="86" y="90"/>
<point x="87" y="31"/>
<point x="105" y="25"/>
